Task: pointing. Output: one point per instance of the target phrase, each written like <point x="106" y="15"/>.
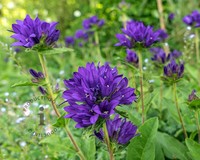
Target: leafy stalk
<point x="198" y="126"/>
<point x="178" y="110"/>
<point x="51" y="96"/>
<point x="107" y="141"/>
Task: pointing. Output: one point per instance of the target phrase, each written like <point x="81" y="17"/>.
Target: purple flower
<point x="81" y="34"/>
<point x="174" y="54"/>
<point x="159" y="55"/>
<point x="94" y="92"/>
<point x="192" y="96"/>
<point x="137" y="32"/>
<point x="171" y="17"/>
<point x="35" y="74"/>
<point x="162" y="35"/>
<point x="132" y="57"/>
<point x="89" y="22"/>
<point x="31" y="32"/>
<point x="69" y="41"/>
<point x="42" y="90"/>
<point x="119" y="130"/>
<point x="174" y="70"/>
<point x="192" y="19"/>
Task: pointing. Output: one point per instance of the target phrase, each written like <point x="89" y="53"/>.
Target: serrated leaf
<point x="172" y="148"/>
<point x="194" y="149"/>
<point x="61" y="122"/>
<point x="142" y="147"/>
<point x="56" y="51"/>
<point x="23" y="84"/>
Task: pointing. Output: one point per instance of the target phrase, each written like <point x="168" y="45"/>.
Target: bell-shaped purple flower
<point x="35" y="74"/>
<point x="174" y="55"/>
<point x="174" y="70"/>
<point x="89" y="22"/>
<point x="132" y="57"/>
<point x="192" y="19"/>
<point x="94" y="92"/>
<point x="119" y="131"/>
<point x="137" y="32"/>
<point x="42" y="90"/>
<point x="159" y="55"/>
<point x="30" y="32"/>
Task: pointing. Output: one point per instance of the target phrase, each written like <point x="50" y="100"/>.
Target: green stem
<point x="161" y="95"/>
<point x="197" y="51"/>
<point x="178" y="110"/>
<point x="141" y="87"/>
<point x="107" y="141"/>
<point x="96" y="37"/>
<point x="198" y="126"/>
<point x="51" y="96"/>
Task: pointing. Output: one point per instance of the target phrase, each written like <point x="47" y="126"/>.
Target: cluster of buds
<point x="194" y="101"/>
<point x="132" y="57"/>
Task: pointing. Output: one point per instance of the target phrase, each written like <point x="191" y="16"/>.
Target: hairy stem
<point x="161" y="95"/>
<point x="107" y="141"/>
<point x="198" y="126"/>
<point x="178" y="110"/>
<point x="141" y="87"/>
<point x="51" y="96"/>
<point x="197" y="51"/>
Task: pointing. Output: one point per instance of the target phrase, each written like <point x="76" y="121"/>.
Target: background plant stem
<point x="51" y="96"/>
<point x="107" y="141"/>
<point x="198" y="126"/>
<point x="141" y="87"/>
<point x="178" y="110"/>
<point x="197" y="51"/>
<point x="96" y="37"/>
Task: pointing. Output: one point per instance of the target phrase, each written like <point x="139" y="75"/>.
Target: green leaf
<point x="23" y="84"/>
<point x="172" y="148"/>
<point x="194" y="149"/>
<point x="61" y="121"/>
<point x="142" y="147"/>
<point x="56" y="51"/>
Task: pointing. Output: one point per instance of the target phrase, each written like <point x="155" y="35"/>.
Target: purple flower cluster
<point x="94" y="92"/>
<point x="30" y="32"/>
<point x="174" y="70"/>
<point x="132" y="57"/>
<point x="137" y="32"/>
<point x="160" y="55"/>
<point x="92" y="21"/>
<point x="192" y="19"/>
<point x="82" y="35"/>
<point x="119" y="131"/>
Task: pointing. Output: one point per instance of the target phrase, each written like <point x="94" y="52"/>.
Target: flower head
<point x="119" y="130"/>
<point x="132" y="57"/>
<point x="69" y="41"/>
<point x="94" y="92"/>
<point x="89" y="22"/>
<point x="174" y="70"/>
<point x="174" y="54"/>
<point x="137" y="32"/>
<point x="30" y="32"/>
<point x="159" y="55"/>
<point x="192" y="19"/>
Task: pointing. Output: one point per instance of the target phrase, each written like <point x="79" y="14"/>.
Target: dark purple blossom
<point x="171" y="17"/>
<point x="94" y="92"/>
<point x="192" y="19"/>
<point x="159" y="55"/>
<point x="137" y="32"/>
<point x="192" y="96"/>
<point x="162" y="35"/>
<point x="42" y="90"/>
<point x="119" y="131"/>
<point x="174" y="70"/>
<point x="132" y="57"/>
<point x="35" y="74"/>
<point x="174" y="55"/>
<point x="89" y="22"/>
<point x="69" y="41"/>
<point x="30" y="32"/>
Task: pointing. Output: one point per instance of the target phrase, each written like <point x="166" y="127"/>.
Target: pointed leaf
<point x="194" y="148"/>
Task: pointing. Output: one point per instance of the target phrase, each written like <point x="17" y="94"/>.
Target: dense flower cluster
<point x="89" y="22"/>
<point x="119" y="130"/>
<point x="132" y="57"/>
<point x="174" y="70"/>
<point x="159" y="55"/>
<point x="81" y="36"/>
<point x="174" y="55"/>
<point x="30" y="32"/>
<point x="94" y="92"/>
<point x="137" y="32"/>
<point x="192" y="19"/>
